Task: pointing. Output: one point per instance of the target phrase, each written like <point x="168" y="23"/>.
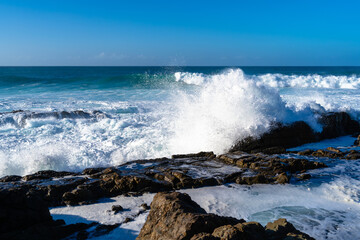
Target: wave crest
<point x="278" y="80"/>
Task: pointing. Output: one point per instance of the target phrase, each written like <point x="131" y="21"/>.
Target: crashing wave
<point x="229" y="106"/>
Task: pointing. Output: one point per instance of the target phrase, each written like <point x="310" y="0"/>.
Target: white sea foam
<point x="310" y="81"/>
<point x="75" y="144"/>
<point x="278" y="80"/>
<point x="210" y="114"/>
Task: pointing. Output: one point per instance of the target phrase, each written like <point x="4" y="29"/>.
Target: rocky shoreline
<point x="175" y="216"/>
<point x="24" y="201"/>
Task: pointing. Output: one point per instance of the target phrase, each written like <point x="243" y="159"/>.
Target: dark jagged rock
<point x="298" y="133"/>
<point x="53" y="193"/>
<point x="91" y="171"/>
<point x="78" y="196"/>
<point x="159" y="175"/>
<point x="353" y="155"/>
<point x="10" y="178"/>
<point x="332" y="153"/>
<point x="25" y="215"/>
<point x="260" y="178"/>
<point x="266" y="169"/>
<point x="145" y="207"/>
<point x="296" y="165"/>
<point x="338" y="124"/>
<point x="46" y="175"/>
<point x="192" y="155"/>
<point x="117" y="208"/>
<point x="327" y="153"/>
<point x="175" y="216"/>
<point x="156" y="175"/>
<point x="306" y="152"/>
<point x="282" y="178"/>
<point x="128" y="220"/>
<point x="279" y="137"/>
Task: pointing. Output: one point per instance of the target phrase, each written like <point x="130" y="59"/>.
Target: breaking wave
<point x="278" y="80"/>
<point x="229" y="106"/>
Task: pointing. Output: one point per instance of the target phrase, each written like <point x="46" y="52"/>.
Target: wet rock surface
<point x="332" y="153"/>
<point x="156" y="175"/>
<point x="267" y="169"/>
<point x="175" y="216"/>
<point x="25" y="200"/>
<point x="281" y="136"/>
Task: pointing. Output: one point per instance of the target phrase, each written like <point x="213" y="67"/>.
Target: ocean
<point x="71" y="118"/>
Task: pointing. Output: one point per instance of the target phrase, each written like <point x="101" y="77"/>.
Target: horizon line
<point x="230" y="66"/>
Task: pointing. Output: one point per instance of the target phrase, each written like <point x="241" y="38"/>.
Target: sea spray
<point x="226" y="107"/>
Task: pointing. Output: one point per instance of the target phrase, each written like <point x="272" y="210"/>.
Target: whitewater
<point x="133" y="114"/>
<point x="75" y="118"/>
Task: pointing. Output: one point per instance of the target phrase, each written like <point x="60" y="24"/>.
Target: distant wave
<point x="19" y="118"/>
<point x="282" y="80"/>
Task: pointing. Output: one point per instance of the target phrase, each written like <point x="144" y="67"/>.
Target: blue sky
<point x="224" y="33"/>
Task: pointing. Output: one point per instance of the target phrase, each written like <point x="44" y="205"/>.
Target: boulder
<point x="279" y="137"/>
<point x="175" y="216"/>
<point x="117" y="208"/>
<point x="337" y="124"/>
<point x="282" y="136"/>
